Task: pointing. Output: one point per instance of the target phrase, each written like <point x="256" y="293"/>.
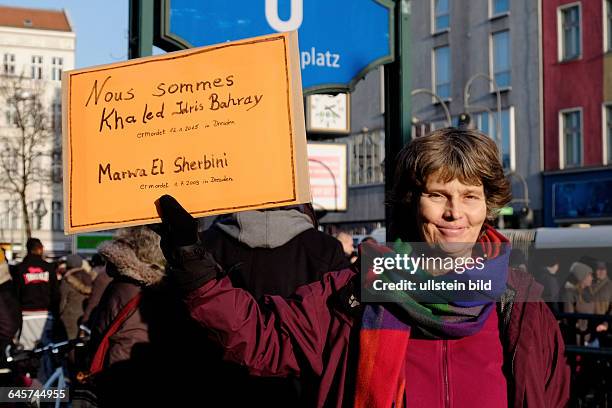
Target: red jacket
<point x="453" y="373"/>
<point x="311" y="333"/>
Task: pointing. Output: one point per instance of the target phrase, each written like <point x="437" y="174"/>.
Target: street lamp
<point x="438" y="99"/>
<point x="526" y="212"/>
<point x="40" y="211"/>
<point x="467" y="106"/>
<point x="525" y="198"/>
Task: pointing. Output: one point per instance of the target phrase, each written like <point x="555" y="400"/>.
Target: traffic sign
<point x="340" y="40"/>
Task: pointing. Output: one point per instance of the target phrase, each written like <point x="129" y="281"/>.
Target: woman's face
<point x="587" y="281"/>
<point x="451" y="212"/>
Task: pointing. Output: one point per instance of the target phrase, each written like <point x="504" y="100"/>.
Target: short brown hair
<point x="463" y="154"/>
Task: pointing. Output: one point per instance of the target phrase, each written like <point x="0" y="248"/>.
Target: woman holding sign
<point x="499" y="349"/>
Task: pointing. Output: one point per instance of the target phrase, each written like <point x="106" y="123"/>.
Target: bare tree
<point x="25" y="142"/>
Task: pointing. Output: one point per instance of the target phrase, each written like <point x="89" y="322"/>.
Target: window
<point x="5" y="217"/>
<point x="37" y="211"/>
<point x="499" y="7"/>
<point x="56" y="165"/>
<point x="366" y="157"/>
<point x="15" y="215"/>
<point x="56" y="68"/>
<point x="9" y="161"/>
<point x="481" y="121"/>
<point x="486" y="122"/>
<point x="571" y="139"/>
<point x="56" y="116"/>
<point x="608" y="133"/>
<point x="33" y="225"/>
<point x="441" y="15"/>
<point x="57" y="219"/>
<point x="10" y="115"/>
<point x="608" y="25"/>
<point x="569" y="32"/>
<point x="500" y="54"/>
<point x="507" y="133"/>
<point x="442" y="72"/>
<point x="9" y="64"/>
<point x="37" y="68"/>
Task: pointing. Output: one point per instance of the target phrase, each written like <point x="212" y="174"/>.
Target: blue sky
<point x="101" y="27"/>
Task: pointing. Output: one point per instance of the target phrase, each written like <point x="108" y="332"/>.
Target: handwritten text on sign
<point x="220" y="128"/>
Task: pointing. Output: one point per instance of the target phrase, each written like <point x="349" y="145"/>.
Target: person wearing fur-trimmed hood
<point x="156" y="341"/>
<point x="136" y="262"/>
<point x="75" y="289"/>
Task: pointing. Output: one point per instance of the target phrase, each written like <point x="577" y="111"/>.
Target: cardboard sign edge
<point x="298" y="129"/>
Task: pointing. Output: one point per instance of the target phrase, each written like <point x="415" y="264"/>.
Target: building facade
<point x="460" y="51"/>
<point x="35" y="47"/>
<point x="464" y="53"/>
<point x="366" y="160"/>
<point x="577" y="86"/>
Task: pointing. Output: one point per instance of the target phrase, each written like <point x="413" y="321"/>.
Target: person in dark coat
<point x="101" y="281"/>
<point x="602" y="293"/>
<point x="257" y="248"/>
<point x="10" y="321"/>
<point x="578" y="298"/>
<point x="548" y="276"/>
<point x="149" y="357"/>
<point x="36" y="281"/>
<point x="506" y="352"/>
<point x="10" y="311"/>
<point x="75" y="289"/>
<point x="38" y="294"/>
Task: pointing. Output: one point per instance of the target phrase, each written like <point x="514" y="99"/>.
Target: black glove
<point x="189" y="262"/>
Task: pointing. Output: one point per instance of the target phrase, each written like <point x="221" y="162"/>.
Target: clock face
<point x="327" y="113"/>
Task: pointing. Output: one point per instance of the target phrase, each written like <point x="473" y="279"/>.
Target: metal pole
<point x="398" y="109"/>
<point x="466" y="105"/>
<point x="140" y="37"/>
<point x="525" y="198"/>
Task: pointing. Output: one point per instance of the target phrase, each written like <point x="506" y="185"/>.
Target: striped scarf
<point x="381" y="369"/>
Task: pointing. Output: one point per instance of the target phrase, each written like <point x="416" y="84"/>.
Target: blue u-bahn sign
<point x="340" y="40"/>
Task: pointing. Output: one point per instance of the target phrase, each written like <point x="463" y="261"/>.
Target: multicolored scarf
<point x="380" y="371"/>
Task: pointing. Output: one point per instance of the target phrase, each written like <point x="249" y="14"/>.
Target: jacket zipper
<point x="445" y="373"/>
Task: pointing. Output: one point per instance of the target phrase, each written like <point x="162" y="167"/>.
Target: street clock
<point x="328" y="114"/>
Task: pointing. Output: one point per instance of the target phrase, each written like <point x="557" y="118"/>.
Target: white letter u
<point x="294" y="22"/>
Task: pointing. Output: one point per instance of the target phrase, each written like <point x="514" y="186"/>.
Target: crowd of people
<point x="588" y="290"/>
<point x="582" y="288"/>
<point x="263" y="309"/>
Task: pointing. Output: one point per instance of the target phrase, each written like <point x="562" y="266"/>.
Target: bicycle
<point x="14" y="355"/>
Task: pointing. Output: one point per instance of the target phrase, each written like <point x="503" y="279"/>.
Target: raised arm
<point x="278" y="338"/>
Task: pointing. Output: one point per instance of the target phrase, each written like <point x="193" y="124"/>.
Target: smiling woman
<point x="500" y="350"/>
<point x="447" y="185"/>
<point x="451" y="212"/>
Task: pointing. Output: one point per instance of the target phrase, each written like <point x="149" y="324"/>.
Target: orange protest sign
<point x="220" y="128"/>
